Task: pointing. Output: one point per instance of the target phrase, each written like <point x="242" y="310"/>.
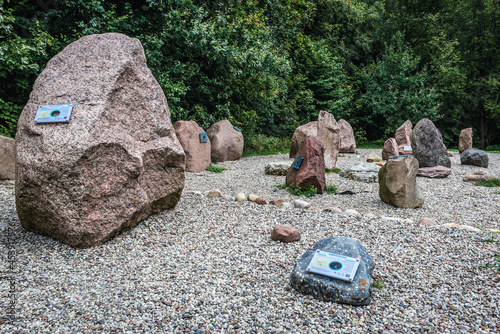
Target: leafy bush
<point x="336" y="170"/>
<point x="264" y="145"/>
<point x="307" y="191"/>
<point x="331" y="189"/>
<point x="215" y="169"/>
<point x="490" y="183"/>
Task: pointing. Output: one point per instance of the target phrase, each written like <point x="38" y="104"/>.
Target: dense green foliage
<point x="271" y="65"/>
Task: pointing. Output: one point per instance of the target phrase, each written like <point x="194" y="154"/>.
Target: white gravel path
<point x="210" y="266"/>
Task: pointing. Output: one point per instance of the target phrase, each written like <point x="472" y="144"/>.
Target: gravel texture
<point x="210" y="266"/>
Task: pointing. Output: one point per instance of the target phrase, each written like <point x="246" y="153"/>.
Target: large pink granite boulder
<point x="7" y="158"/>
<point x="403" y="136"/>
<point x="300" y="134"/>
<point x="117" y="160"/>
<point x="197" y="152"/>
<point x="227" y="142"/>
<point x="329" y="135"/>
<point x="465" y="140"/>
<point x="347" y="139"/>
<point x="427" y="145"/>
<point x="312" y="168"/>
<point x="390" y="149"/>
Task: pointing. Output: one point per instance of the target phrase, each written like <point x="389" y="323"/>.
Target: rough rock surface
<point x="363" y="172"/>
<point x="116" y="162"/>
<point x="7" y="158"/>
<point x="226" y="142"/>
<point x="403" y="135"/>
<point x="390" y="149"/>
<point x="434" y="172"/>
<point x="330" y="289"/>
<point x="465" y="140"/>
<point x="427" y="145"/>
<point x="285" y="233"/>
<point x="397" y="183"/>
<point x="329" y="135"/>
<point x="373" y="157"/>
<point x="475" y="157"/>
<point x="197" y="153"/>
<point x="312" y="169"/>
<point x="277" y="168"/>
<point x="347" y="139"/>
<point x="300" y="134"/>
<point x="277" y="202"/>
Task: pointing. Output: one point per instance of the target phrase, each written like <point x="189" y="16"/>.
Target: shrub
<point x="215" y="169"/>
<point x="490" y="183"/>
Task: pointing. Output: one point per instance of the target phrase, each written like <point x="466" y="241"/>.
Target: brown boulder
<point x="347" y="139"/>
<point x="261" y="201"/>
<point x="7" y="158"/>
<point x="226" y="142"/>
<point x="403" y="134"/>
<point x="427" y="145"/>
<point x="285" y="233"/>
<point x="434" y="172"/>
<point x="329" y="135"/>
<point x="390" y="149"/>
<point x="117" y="160"/>
<point x="197" y="153"/>
<point x="465" y="140"/>
<point x="277" y="202"/>
<point x="312" y="168"/>
<point x="397" y="181"/>
<point x="300" y="134"/>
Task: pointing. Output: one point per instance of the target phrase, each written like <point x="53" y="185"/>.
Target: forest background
<point x="269" y="66"/>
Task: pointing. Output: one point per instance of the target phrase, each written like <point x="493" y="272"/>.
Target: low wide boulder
<point x="397" y="183"/>
<point x="277" y="168"/>
<point x="285" y="233"/>
<point x="390" y="149"/>
<point x="197" y="150"/>
<point x="7" y="158"/>
<point x="114" y="163"/>
<point x="427" y="145"/>
<point x="347" y="139"/>
<point x="474" y="157"/>
<point x="363" y="172"/>
<point x="312" y="168"/>
<point x="329" y="135"/>
<point x="465" y="140"/>
<point x="434" y="172"/>
<point x="226" y="141"/>
<point x="300" y="134"/>
<point x="357" y="292"/>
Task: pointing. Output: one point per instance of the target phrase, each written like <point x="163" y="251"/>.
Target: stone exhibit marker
<point x="329" y="135"/>
<point x="300" y="134"/>
<point x="7" y="158"/>
<point x="347" y="139"/>
<point x="196" y="145"/>
<point x="403" y="137"/>
<point x="427" y="145"/>
<point x="114" y="163"/>
<point x="474" y="157"/>
<point x="465" y="140"/>
<point x="226" y="141"/>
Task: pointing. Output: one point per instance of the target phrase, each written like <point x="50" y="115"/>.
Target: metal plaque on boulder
<point x="400" y="156"/>
<point x="237" y="128"/>
<point x="56" y="113"/>
<point x="333" y="265"/>
<point x="203" y="137"/>
<point x="297" y="162"/>
<point x="407" y="148"/>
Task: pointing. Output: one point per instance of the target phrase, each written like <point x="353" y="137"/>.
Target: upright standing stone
<point x="403" y="136"/>
<point x="117" y="160"/>
<point x="475" y="157"/>
<point x="329" y="135"/>
<point x="7" y="158"/>
<point x="465" y="140"/>
<point x="227" y="142"/>
<point x="427" y="144"/>
<point x="312" y="168"/>
<point x="300" y="134"/>
<point x="390" y="149"/>
<point x="197" y="152"/>
<point x="347" y="139"/>
<point x="397" y="183"/>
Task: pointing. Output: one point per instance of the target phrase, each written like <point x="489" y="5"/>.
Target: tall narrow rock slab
<point x="427" y="145"/>
<point x="7" y="158"/>
<point x="390" y="149"/>
<point x="329" y="135"/>
<point x="226" y="142"/>
<point x="347" y="139"/>
<point x="116" y="161"/>
<point x="300" y="134"/>
<point x="197" y="151"/>
<point x="465" y="140"/>
<point x="403" y="136"/>
<point x="312" y="168"/>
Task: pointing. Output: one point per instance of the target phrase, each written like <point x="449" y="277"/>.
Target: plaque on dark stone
<point x="297" y="162"/>
<point x="333" y="265"/>
<point x="237" y="128"/>
<point x="203" y="137"/>
<point x="401" y="156"/>
<point x="57" y="113"/>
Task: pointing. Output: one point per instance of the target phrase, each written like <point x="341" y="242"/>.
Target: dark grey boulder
<point x="427" y="145"/>
<point x="475" y="157"/>
<point x="330" y="289"/>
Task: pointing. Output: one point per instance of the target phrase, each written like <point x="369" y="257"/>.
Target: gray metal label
<point x="334" y="265"/>
<point x="55" y="113"/>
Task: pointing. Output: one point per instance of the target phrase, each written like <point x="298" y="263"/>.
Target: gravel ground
<point x="210" y="266"/>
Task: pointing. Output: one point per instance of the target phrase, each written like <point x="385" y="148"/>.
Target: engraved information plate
<point x="56" y="113"/>
<point x="407" y="148"/>
<point x="203" y="137"/>
<point x="334" y="265"/>
<point x="297" y="162"/>
<point x="237" y="128"/>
